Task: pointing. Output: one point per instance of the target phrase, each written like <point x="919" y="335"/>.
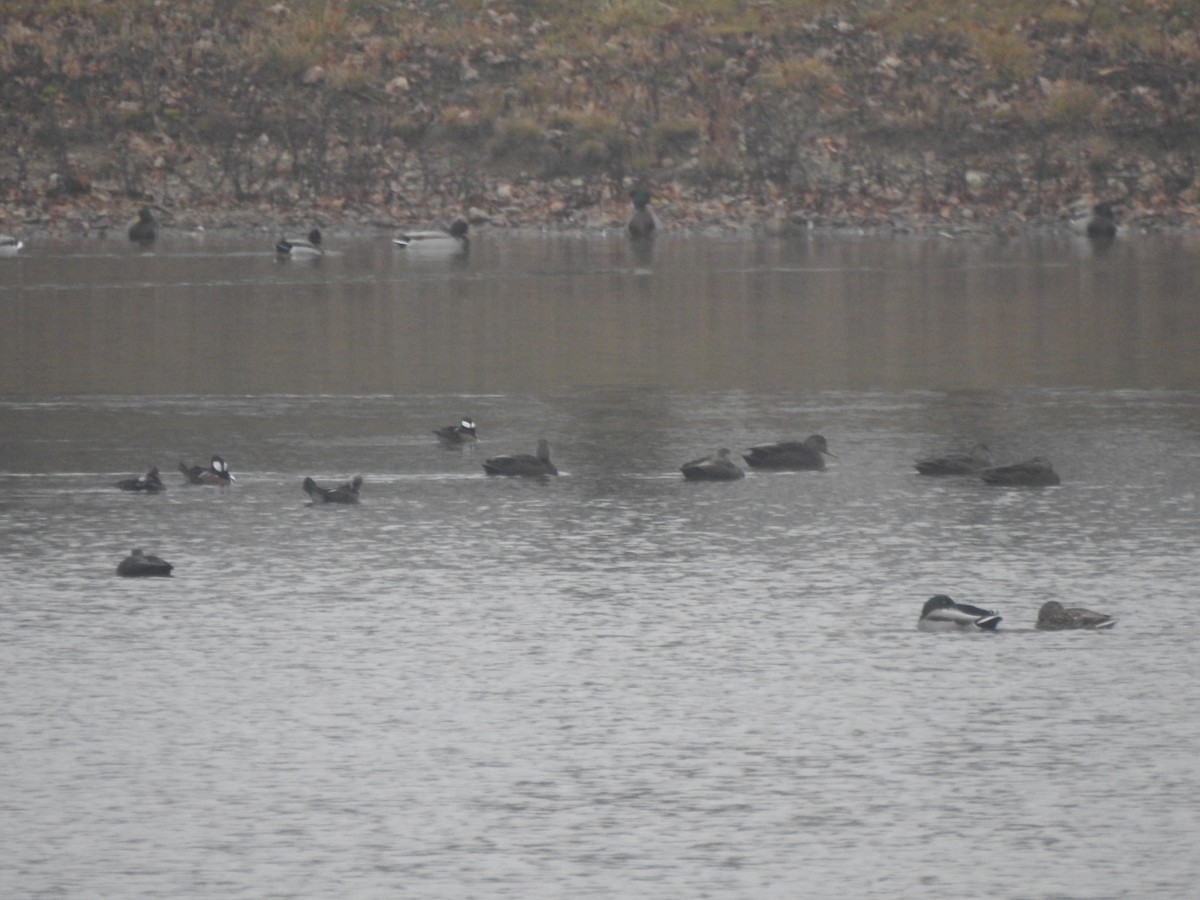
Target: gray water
<point x="613" y="683"/>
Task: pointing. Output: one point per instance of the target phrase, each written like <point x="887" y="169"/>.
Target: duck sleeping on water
<point x="1036" y="472"/>
<point x="141" y="565"/>
<point x="718" y="467"/>
<point x="300" y="248"/>
<point x="940" y="613"/>
<point x="1053" y="616"/>
<point x="452" y="240"/>
<point x="343" y="493"/>
<point x="149" y="483"/>
<point x="809" y="453"/>
<point x="523" y="464"/>
<point x="9" y="245"/>
<point x="972" y="463"/>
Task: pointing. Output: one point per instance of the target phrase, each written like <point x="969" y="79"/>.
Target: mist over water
<point x="612" y="683"/>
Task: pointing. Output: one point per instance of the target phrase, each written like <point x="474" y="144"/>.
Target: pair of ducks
<point x="808" y="454"/>
<point x="529" y="465"/>
<point x="451" y="240"/>
<point x="215" y="473"/>
<point x="451" y="436"/>
<point x="941" y="613"/>
<point x="1035" y="472"/>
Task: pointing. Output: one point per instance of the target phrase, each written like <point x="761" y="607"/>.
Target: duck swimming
<point x="940" y="613"/>
<point x="343" y="493"/>
<point x="977" y="460"/>
<point x="1036" y="472"/>
<point x="1103" y="223"/>
<point x="523" y="464"/>
<point x="450" y="241"/>
<point x="144" y="230"/>
<point x="217" y="473"/>
<point x="453" y="437"/>
<point x="641" y="224"/>
<point x="141" y="565"/>
<point x="300" y="248"/>
<point x="807" y="454"/>
<point x="150" y="483"/>
<point x="1053" y="616"/>
<point x="718" y="467"/>
<point x="9" y="245"/>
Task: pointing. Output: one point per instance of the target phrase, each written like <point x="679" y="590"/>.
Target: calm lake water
<point x="614" y="683"/>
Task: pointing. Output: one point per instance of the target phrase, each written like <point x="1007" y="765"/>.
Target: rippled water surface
<point x="613" y="683"/>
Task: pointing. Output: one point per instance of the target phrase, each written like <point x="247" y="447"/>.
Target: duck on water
<point x="453" y="437"/>
<point x="150" y="483"/>
<point x="343" y="493"/>
<point x="450" y="241"/>
<point x="809" y="453"/>
<point x="523" y="464"/>
<point x="300" y="248"/>
<point x="1036" y="472"/>
<point x="217" y="473"/>
<point x="717" y="467"/>
<point x="972" y="463"/>
<point x="941" y="613"/>
<point x="142" y="565"/>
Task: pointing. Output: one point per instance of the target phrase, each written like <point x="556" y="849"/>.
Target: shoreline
<point x="735" y="218"/>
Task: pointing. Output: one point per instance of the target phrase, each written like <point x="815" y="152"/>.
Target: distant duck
<point x="641" y="224"/>
<point x="1103" y="223"/>
<point x="343" y="493"/>
<point x="977" y="460"/>
<point x="453" y="437"/>
<point x="1036" y="472"/>
<point x="523" y="464"/>
<point x="300" y="248"/>
<point x="718" y="467"/>
<point x="149" y="483"/>
<point x="9" y="245"/>
<point x="940" y="613"/>
<point x="141" y="565"/>
<point x="1053" y="616"/>
<point x="217" y="473"/>
<point x="807" y="454"/>
<point x="452" y="240"/>
<point x="145" y="229"/>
